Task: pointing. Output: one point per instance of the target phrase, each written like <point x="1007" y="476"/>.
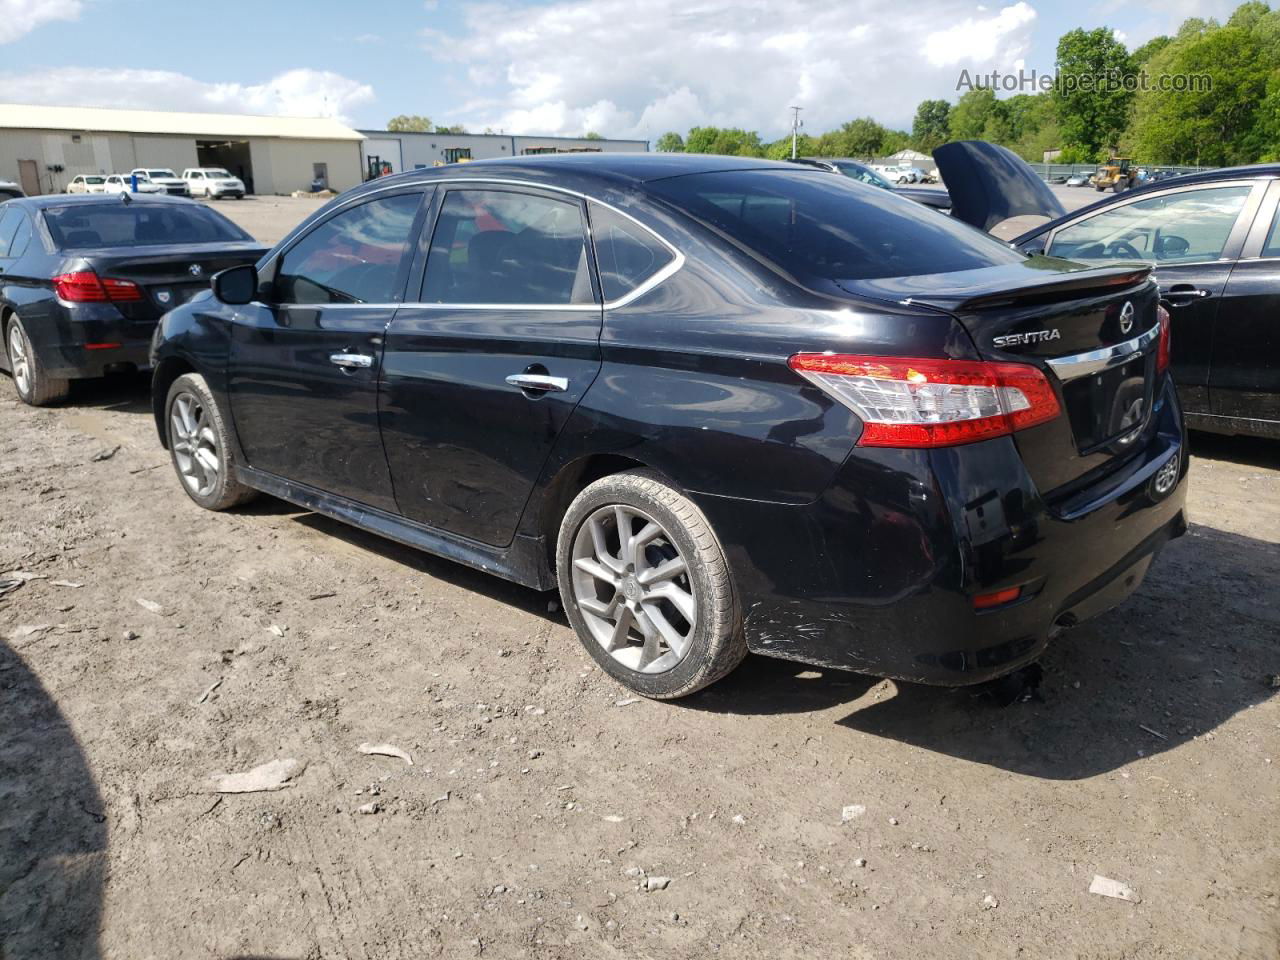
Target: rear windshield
<point x="815" y="225"/>
<point x="117" y="224"/>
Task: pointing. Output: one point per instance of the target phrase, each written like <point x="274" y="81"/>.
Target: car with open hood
<point x="85" y="278"/>
<point x="722" y="404"/>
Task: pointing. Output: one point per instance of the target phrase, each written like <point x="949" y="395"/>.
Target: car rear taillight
<point x="931" y="402"/>
<point x="1166" y="335"/>
<point x="85" y="286"/>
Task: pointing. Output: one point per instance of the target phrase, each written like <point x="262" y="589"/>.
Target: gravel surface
<point x="542" y="811"/>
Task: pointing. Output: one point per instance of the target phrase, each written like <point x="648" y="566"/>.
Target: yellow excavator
<point x="1119" y="173"/>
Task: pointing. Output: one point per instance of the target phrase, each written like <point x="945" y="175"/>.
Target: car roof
<point x="1253" y="171"/>
<point x="602" y="168"/>
<point x="66" y="199"/>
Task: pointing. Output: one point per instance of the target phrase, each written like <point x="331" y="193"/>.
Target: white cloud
<point x="569" y="66"/>
<point x="980" y="39"/>
<point x="20" y="17"/>
<point x="295" y="93"/>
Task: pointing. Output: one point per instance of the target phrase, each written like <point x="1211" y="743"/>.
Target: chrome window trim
<point x="1084" y="364"/>
<point x="657" y="278"/>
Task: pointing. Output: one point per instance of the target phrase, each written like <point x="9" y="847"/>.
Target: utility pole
<point x="795" y="128"/>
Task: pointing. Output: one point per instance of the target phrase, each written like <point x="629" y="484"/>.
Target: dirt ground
<point x="543" y="799"/>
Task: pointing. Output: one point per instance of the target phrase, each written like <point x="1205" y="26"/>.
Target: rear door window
<point x="353" y="257"/>
<point x="508" y="247"/>
<point x="1191" y="226"/>
<point x="627" y="255"/>
<point x="814" y="225"/>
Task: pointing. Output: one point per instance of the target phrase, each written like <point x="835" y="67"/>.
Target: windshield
<point x="814" y="225"/>
<point x="158" y="174"/>
<point x="218" y="175"/>
<point x="138" y="224"/>
<point x="95" y="180"/>
<point x="857" y="171"/>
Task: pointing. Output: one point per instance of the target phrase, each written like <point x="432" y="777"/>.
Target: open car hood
<point x="989" y="184"/>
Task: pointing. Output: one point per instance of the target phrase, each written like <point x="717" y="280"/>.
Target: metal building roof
<point x="97" y="119"/>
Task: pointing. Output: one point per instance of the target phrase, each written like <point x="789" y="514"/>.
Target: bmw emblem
<point x="198" y="271"/>
<point x="1126" y="317"/>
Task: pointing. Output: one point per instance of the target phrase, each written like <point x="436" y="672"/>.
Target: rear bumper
<point x="878" y="575"/>
<point x="91" y="340"/>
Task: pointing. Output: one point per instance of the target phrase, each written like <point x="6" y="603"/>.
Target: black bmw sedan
<point x="84" y="279"/>
<point x="724" y="404"/>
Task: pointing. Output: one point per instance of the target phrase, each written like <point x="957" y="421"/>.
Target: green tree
<point x="591" y="135"/>
<point x="410" y="123"/>
<point x="1095" y="110"/>
<point x="452" y="128"/>
<point x="931" y="127"/>
<point x="1142" y="56"/>
<point x="1220" y="126"/>
<point x="973" y="113"/>
<point x="670" y="142"/>
<point x="780" y="149"/>
<point x="730" y="141"/>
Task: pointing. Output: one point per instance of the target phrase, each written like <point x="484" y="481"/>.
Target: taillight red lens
<point x="932" y="402"/>
<point x="1166" y="336"/>
<point x="81" y="287"/>
<point x="85" y="286"/>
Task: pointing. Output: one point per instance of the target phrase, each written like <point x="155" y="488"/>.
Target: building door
<point x="29" y="177"/>
<point x="320" y="175"/>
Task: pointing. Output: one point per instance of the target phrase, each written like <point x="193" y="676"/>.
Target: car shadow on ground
<point x="530" y="601"/>
<point x="1253" y="451"/>
<point x="1180" y="658"/>
<point x="53" y="833"/>
<point x="122" y="392"/>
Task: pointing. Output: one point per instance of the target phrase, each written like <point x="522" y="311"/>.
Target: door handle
<point x="351" y="361"/>
<point x="1181" y="294"/>
<point x="538" y="382"/>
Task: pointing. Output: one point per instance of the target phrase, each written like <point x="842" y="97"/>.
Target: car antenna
<point x="126" y="197"/>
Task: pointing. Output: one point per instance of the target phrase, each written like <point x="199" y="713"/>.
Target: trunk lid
<point x="1092" y="331"/>
<point x="168" y="275"/>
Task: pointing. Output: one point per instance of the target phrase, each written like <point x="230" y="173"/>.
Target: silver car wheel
<point x="634" y="590"/>
<point x="194" y="443"/>
<point x="19" y="360"/>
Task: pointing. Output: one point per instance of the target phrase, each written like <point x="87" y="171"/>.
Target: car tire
<point x="200" y="446"/>
<point x="659" y="615"/>
<point x="33" y="385"/>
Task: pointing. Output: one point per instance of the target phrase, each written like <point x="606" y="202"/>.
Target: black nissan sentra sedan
<point x="84" y="279"/>
<point x="724" y="404"/>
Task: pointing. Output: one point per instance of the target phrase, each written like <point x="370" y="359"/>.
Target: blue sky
<point x="543" y="66"/>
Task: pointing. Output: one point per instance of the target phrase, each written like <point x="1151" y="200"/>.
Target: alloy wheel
<point x="19" y="360"/>
<point x="634" y="589"/>
<point x="195" y="444"/>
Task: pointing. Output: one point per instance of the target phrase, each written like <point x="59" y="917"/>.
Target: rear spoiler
<point x="1053" y="287"/>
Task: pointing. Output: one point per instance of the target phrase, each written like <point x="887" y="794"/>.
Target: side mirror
<point x="236" y="285"/>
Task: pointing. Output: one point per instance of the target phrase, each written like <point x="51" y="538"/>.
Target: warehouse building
<point x="42" y="148"/>
<point x="389" y="151"/>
